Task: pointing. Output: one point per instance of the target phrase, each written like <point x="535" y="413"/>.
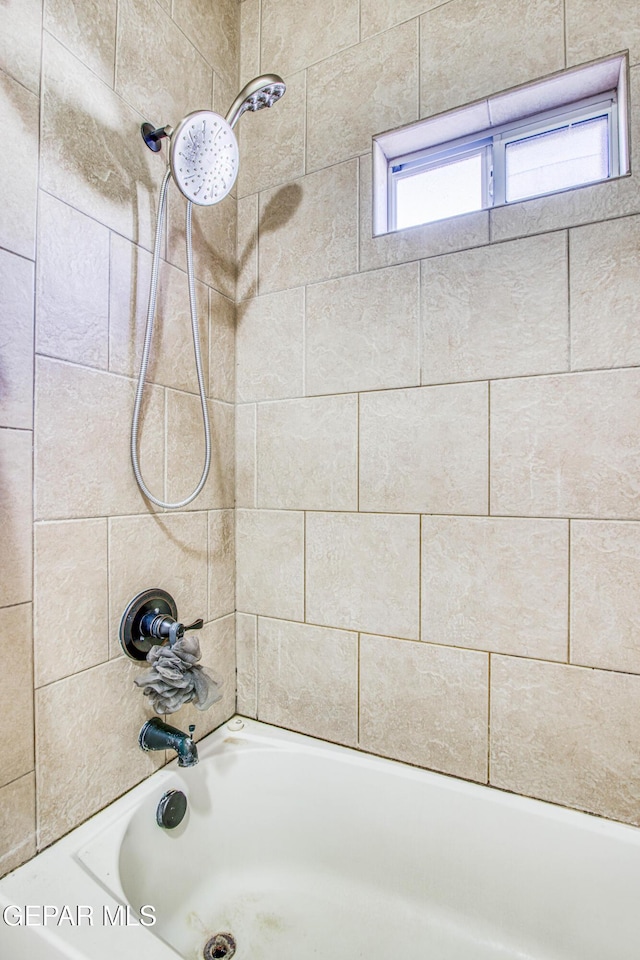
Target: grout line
<point x="564" y="31"/>
<point x="304" y="341"/>
<point x="488" y="448"/>
<point x="569" y="350"/>
<point x="444" y="646"/>
<point x="108" y="536"/>
<point x="358" y="452"/>
<point x="255" y="456"/>
<point x="116" y="46"/>
<point x="358" y="680"/>
<point x="165" y="485"/>
<point x="420" y="535"/>
<point x="569" y="536"/>
<point x="256" y="640"/>
<point x="358" y="205"/>
<point x="489" y="718"/>
<point x="305" y="127"/>
<point x="304" y="567"/>
<point x="419" y="19"/>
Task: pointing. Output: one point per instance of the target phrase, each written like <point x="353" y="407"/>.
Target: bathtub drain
<point x="222" y="945"/>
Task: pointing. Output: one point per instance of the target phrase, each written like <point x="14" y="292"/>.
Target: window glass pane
<point x="440" y="191"/>
<point x="574" y="154"/>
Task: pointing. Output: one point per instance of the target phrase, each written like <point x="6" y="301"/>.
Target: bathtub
<point x="302" y="849"/>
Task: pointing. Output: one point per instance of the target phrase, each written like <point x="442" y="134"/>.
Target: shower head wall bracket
<point x="153" y="135"/>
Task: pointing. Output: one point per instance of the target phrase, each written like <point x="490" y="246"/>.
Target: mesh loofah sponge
<point x="176" y="678"/>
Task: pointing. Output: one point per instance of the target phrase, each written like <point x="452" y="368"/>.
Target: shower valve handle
<point x="177" y="630"/>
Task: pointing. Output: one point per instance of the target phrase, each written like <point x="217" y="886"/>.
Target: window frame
<point x="555" y="95"/>
<point x="492" y="143"/>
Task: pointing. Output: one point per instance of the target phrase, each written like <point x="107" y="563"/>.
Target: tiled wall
<point x="438" y="432"/>
<point x="79" y="193"/>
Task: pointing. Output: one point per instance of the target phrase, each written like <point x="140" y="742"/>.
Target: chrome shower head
<point x="258" y="93"/>
<point x="204" y="157"/>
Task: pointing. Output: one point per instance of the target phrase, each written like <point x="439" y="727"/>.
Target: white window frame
<point x="605" y="82"/>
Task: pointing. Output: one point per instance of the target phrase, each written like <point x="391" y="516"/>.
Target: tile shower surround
<point x="437" y="453"/>
<point x="434" y="493"/>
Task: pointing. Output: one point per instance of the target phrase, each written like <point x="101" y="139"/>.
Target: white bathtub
<point x="301" y="849"/>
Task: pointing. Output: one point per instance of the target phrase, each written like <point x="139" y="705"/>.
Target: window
<point x="517" y="154"/>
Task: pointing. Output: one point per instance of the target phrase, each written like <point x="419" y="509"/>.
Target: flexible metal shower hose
<point x="151" y="311"/>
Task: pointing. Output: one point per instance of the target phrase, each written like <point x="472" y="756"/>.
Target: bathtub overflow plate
<point x="221" y="945"/>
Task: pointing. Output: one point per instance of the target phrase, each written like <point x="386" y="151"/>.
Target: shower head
<point x="258" y="93"/>
<point x="203" y="151"/>
<point x="204" y="157"/>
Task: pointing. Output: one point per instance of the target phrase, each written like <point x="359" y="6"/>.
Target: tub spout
<point x="158" y="735"/>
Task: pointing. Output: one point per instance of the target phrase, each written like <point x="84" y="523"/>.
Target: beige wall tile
<point x="20" y="41"/>
<point x="595" y="31"/>
<point x="186" y="451"/>
<point x="566" y="446"/>
<point x="88" y="30"/>
<point x="308" y="679"/>
<point x="214" y="241"/>
<point x="269" y="347"/>
<point x="496" y="584"/>
<point x="309" y="229"/>
<point x="16" y="706"/>
<point x="363" y="332"/>
<point x="16" y="337"/>
<point x="376" y="16"/>
<point x="425" y="705"/>
<point x="526" y="43"/>
<point x="83" y="762"/>
<point x="225" y="90"/>
<point x="270" y="563"/>
<point x="222" y="563"/>
<point x="17" y="823"/>
<point x="129" y="280"/>
<point x="425" y="450"/>
<point x="247" y="248"/>
<point x="566" y="734"/>
<point x="307" y="454"/>
<point x="82" y="437"/>
<point x="370" y="87"/>
<point x="500" y="311"/>
<point x="272" y="141"/>
<point x="246" y="455"/>
<point x="427" y="240"/>
<point x="163" y="89"/>
<point x="247" y="662"/>
<point x="18" y="167"/>
<point x="171" y="359"/>
<point x="73" y="285"/>
<point x="222" y="346"/>
<point x="249" y="40"/>
<point x="605" y="294"/>
<point x="90" y="153"/>
<point x="71" y="615"/>
<point x="296" y="33"/>
<point x="213" y="29"/>
<point x="167" y="551"/>
<point x="15" y="516"/>
<point x="605" y="574"/>
<point x="217" y="644"/>
<point x="346" y="553"/>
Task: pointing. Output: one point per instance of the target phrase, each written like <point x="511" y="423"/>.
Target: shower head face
<point x="260" y="92"/>
<point x="204" y="157"/>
